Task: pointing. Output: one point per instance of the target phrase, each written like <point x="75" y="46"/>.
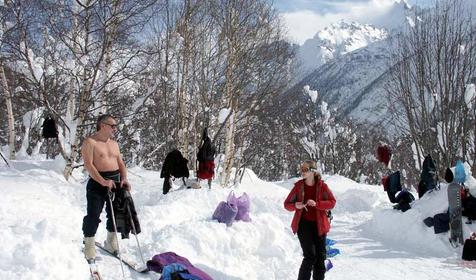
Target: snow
<point x="312" y="93"/>
<point x="411" y="22"/>
<point x="347" y="63"/>
<point x="42" y="213"/>
<point x="223" y="114"/>
<point x="29" y="117"/>
<point x="469" y="94"/>
<point x="335" y="41"/>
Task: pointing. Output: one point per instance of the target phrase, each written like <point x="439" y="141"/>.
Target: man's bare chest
<point x="104" y="151"/>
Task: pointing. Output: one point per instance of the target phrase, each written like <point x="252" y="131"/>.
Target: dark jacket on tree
<point x="206" y="158"/>
<point x="49" y="128"/>
<point x="428" y="176"/>
<point x="206" y="151"/>
<point x="174" y="165"/>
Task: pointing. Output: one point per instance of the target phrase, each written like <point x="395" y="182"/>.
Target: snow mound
<point x="42" y="216"/>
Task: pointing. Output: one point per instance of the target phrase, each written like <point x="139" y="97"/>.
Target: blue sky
<point x="329" y="6"/>
<point x="303" y="18"/>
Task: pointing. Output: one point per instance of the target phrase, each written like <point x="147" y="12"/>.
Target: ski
<point x="93" y="269"/>
<point x="455" y="212"/>
<point x="328" y="264"/>
<point x="460" y="263"/>
<point x="134" y="266"/>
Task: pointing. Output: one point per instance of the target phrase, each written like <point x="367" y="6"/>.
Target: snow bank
<point x="42" y="239"/>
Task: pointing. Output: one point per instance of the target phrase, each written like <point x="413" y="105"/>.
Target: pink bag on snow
<point x="243" y="203"/>
<point x="235" y="208"/>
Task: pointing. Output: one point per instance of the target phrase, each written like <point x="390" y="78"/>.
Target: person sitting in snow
<point x="311" y="198"/>
<point x="103" y="161"/>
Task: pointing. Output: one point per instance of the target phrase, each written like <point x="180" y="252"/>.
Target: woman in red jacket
<point x="310" y="198"/>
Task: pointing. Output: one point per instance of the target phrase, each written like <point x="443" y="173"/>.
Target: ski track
<point x="359" y="255"/>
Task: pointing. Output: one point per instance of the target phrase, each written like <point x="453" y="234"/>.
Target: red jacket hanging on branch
<point x="206" y="157"/>
<point x="384" y="154"/>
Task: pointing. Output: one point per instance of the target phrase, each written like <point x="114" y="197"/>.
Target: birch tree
<point x="5" y="87"/>
<point x="246" y="29"/>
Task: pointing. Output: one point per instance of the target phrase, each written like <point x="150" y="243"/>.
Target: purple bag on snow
<point x="225" y="213"/>
<point x="243" y="203"/>
<point x="158" y="262"/>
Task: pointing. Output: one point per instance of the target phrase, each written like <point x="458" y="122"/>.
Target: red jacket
<point x="324" y="201"/>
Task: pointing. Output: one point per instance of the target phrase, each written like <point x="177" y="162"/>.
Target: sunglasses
<point x="304" y="169"/>
<point x="113" y="126"/>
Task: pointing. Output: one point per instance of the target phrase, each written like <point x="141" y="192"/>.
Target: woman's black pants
<point x="313" y="249"/>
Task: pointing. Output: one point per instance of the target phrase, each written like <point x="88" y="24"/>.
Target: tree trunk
<point x="84" y="103"/>
<point x="111" y="34"/>
<point x="229" y="149"/>
<point x="11" y="119"/>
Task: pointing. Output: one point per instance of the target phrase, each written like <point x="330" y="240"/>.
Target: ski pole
<point x="4" y="159"/>
<point x="109" y="195"/>
<point x="135" y="231"/>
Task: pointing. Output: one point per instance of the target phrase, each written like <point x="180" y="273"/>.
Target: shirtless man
<point x="107" y="170"/>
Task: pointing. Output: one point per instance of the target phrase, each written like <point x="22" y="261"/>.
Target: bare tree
<point x="165" y="82"/>
<point x="11" y="121"/>
<point x="434" y="60"/>
<point x="6" y="89"/>
<point x="246" y="28"/>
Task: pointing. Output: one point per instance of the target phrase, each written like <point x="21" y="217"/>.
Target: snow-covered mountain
<point x="354" y="83"/>
<point x="348" y="64"/>
<point x="333" y="42"/>
<point x="41" y="216"/>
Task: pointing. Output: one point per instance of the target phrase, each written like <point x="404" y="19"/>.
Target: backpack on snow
<point x="428" y="176"/>
<point x="469" y="249"/>
<point x="441" y="222"/>
<point x="404" y="198"/>
<point x="469" y="205"/>
<point x="160" y="261"/>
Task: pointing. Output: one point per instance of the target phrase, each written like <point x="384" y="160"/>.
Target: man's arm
<point x="87" y="152"/>
<point x="122" y="170"/>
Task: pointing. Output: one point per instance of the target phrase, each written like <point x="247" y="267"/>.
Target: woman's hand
<point x="300" y="205"/>
<point x="311" y="203"/>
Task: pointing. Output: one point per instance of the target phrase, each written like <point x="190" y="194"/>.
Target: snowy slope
<point x="354" y="84"/>
<point x="348" y="63"/>
<point x="333" y="42"/>
<point x="41" y="234"/>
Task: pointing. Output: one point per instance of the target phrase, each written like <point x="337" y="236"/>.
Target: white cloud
<point x="304" y="24"/>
